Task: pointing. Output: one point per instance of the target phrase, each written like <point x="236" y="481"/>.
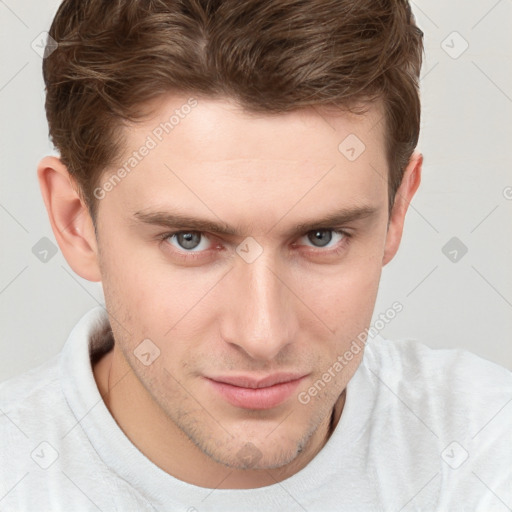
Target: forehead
<point x="211" y="157"/>
<point x="215" y="128"/>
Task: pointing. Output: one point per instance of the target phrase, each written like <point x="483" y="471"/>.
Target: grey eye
<point x="320" y="237"/>
<point x="188" y="239"/>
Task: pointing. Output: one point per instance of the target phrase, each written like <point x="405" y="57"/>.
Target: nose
<point x="260" y="317"/>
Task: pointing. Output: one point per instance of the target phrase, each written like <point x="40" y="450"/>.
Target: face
<point x="245" y="250"/>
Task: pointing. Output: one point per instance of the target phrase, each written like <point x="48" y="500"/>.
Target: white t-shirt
<point x="422" y="429"/>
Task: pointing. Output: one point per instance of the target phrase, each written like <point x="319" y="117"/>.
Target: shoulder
<point x="43" y="448"/>
<point x="452" y="393"/>
<point x="31" y="386"/>
<point x="33" y="410"/>
<point x="450" y="390"/>
<point x="29" y="404"/>
<point x="443" y="415"/>
<point x="450" y="370"/>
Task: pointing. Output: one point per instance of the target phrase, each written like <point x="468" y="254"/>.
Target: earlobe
<point x="69" y="217"/>
<point x="410" y="183"/>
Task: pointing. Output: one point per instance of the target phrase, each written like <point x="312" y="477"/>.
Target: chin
<point x="253" y="459"/>
<point x="260" y="454"/>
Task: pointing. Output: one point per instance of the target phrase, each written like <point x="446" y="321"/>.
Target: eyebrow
<point x="178" y="220"/>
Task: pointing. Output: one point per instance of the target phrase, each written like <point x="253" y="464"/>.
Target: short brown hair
<point x="271" y="56"/>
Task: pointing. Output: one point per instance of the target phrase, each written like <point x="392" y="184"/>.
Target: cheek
<point x="345" y="297"/>
<point x="136" y="276"/>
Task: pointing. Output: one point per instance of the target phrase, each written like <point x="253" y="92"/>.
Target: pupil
<point x="188" y="240"/>
<point x="323" y="236"/>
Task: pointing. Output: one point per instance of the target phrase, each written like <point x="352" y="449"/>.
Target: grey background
<point x="466" y="192"/>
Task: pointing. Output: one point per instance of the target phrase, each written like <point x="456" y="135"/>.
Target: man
<point x="236" y="174"/>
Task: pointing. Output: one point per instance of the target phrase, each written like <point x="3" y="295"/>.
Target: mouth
<point x="256" y="393"/>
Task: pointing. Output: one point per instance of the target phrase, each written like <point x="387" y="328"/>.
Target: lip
<point x="256" y="393"/>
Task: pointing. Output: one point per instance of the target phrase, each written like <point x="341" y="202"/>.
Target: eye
<point x="320" y="238"/>
<point x="189" y="241"/>
<point x="195" y="246"/>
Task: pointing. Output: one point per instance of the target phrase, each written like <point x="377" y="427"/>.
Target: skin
<point x="294" y="308"/>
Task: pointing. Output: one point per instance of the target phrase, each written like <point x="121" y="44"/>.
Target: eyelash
<point x="195" y="255"/>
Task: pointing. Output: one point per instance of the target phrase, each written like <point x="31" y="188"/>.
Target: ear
<point x="410" y="183"/>
<point x="69" y="217"/>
